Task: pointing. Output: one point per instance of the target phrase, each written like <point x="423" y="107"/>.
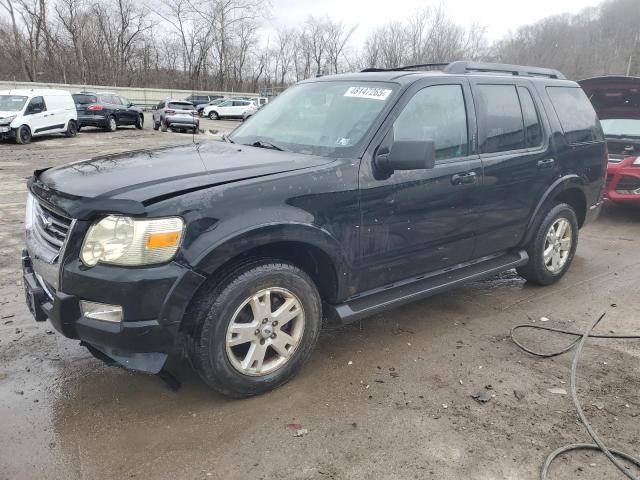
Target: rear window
<point x="181" y="106"/>
<point x="83" y="99"/>
<point x="501" y="119"/>
<point x="577" y="117"/>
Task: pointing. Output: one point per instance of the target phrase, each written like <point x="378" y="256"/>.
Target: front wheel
<point x="23" y="135"/>
<point x="256" y="328"/>
<point x="214" y="116"/>
<point x="553" y="246"/>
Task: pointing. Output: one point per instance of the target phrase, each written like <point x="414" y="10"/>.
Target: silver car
<point x="176" y="115"/>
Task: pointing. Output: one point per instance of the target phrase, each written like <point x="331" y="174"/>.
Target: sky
<point x="499" y="16"/>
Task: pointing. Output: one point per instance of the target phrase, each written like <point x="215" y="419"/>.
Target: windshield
<point x="621" y="127"/>
<point x="12" y="103"/>
<point x="319" y="118"/>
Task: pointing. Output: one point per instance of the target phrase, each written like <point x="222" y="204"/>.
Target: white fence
<point x="145" y="97"/>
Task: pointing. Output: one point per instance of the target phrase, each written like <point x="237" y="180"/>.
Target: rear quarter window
<point x="577" y="117"/>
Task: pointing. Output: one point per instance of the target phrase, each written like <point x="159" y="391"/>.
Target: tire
<point x="231" y="370"/>
<point x="140" y="122"/>
<point x="214" y="116"/>
<point x="112" y="124"/>
<point x="540" y="271"/>
<point x="156" y="125"/>
<point x="23" y="135"/>
<point x="72" y="129"/>
<point x="163" y="127"/>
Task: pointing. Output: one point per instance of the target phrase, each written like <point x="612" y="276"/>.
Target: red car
<point x="617" y="102"/>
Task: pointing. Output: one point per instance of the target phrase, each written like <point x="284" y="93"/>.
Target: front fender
<point x="223" y="250"/>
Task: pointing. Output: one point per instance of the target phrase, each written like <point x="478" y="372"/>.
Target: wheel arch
<point x="310" y="248"/>
<point x="567" y="189"/>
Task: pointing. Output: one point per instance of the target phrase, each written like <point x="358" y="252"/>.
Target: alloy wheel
<point x="265" y="331"/>
<point x="557" y="245"/>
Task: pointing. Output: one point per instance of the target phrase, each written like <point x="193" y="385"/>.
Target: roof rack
<point x="406" y="67"/>
<point x="516" y="70"/>
<point x="461" y="67"/>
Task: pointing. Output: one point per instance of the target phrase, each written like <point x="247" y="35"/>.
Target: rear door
<point x="517" y="158"/>
<point x="419" y="221"/>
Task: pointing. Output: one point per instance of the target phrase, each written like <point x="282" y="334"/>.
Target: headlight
<point x="7" y="120"/>
<point x="28" y="215"/>
<point x="118" y="240"/>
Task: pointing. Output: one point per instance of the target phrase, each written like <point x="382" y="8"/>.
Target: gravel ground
<point x="387" y="398"/>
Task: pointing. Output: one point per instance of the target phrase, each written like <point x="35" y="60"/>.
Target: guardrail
<point x="144" y="97"/>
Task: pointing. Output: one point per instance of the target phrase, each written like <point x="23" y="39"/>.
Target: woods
<point x="233" y="45"/>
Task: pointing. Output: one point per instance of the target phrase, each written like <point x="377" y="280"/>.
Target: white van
<point x="31" y="113"/>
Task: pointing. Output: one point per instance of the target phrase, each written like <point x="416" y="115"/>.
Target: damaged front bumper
<point x="149" y="330"/>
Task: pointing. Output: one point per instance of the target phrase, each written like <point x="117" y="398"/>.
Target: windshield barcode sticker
<point x="368" y="92"/>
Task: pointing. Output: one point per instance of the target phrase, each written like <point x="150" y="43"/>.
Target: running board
<point x="406" y="291"/>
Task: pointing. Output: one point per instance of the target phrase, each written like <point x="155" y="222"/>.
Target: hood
<point x="614" y="97"/>
<point x="4" y="114"/>
<point x="131" y="180"/>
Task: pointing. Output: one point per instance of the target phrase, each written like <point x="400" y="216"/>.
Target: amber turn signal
<point x="162" y="240"/>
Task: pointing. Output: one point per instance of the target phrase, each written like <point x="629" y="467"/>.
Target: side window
<point x="124" y="101"/>
<point x="500" y="115"/>
<point x="577" y="117"/>
<point x="532" y="125"/>
<point x="36" y="105"/>
<point x="236" y="103"/>
<point x="436" y="113"/>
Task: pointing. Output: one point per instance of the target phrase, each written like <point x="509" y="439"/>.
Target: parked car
<point x="200" y="99"/>
<point x="200" y="108"/>
<point x="176" y="115"/>
<point x="25" y="114"/>
<point x="230" y="109"/>
<point x="349" y="195"/>
<point x="617" y="102"/>
<point x="106" y="110"/>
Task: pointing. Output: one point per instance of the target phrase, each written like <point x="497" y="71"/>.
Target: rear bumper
<point x="182" y="122"/>
<point x="136" y="343"/>
<point x="92" y="120"/>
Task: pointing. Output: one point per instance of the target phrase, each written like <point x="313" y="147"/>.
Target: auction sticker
<point x="368" y="92"/>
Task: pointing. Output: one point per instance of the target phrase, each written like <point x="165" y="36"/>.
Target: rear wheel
<point x="72" y="129"/>
<point x="23" y="135"/>
<point x="140" y="122"/>
<point x="553" y="246"/>
<point x="112" y="124"/>
<point x="156" y="125"/>
<point x="256" y="328"/>
<point x="163" y="127"/>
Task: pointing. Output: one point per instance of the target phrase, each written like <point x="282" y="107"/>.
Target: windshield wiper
<point x="263" y="144"/>
<point x="225" y="138"/>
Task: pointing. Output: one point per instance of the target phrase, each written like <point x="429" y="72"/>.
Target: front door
<point x="420" y="221"/>
<point x="40" y="120"/>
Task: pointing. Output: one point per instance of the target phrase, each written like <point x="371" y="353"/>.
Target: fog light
<point x="101" y="311"/>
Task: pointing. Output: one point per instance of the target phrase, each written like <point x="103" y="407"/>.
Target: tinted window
<point x="532" y="125"/>
<point x="577" y="116"/>
<point x="181" y="106"/>
<point x="436" y="113"/>
<point x="36" y="105"/>
<point x="501" y="119"/>
<point x="84" y="99"/>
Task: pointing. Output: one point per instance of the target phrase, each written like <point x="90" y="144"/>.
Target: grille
<point x="628" y="183"/>
<point x="50" y="227"/>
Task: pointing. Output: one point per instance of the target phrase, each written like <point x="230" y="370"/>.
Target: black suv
<point x="200" y="99"/>
<point x="106" y="110"/>
<point x="345" y="196"/>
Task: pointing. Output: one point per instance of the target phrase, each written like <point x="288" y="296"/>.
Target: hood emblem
<point x="46" y="221"/>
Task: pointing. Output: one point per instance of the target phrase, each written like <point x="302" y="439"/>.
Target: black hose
<point x="599" y="444"/>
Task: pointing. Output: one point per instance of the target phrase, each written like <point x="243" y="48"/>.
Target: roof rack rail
<point x="516" y="70"/>
<point x="406" y="67"/>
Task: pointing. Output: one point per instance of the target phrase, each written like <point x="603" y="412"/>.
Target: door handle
<point x="464" y="178"/>
<point x="547" y="163"/>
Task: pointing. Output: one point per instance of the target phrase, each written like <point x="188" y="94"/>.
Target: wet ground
<point x="387" y="398"/>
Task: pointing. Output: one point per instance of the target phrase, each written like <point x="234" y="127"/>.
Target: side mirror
<point x="407" y="155"/>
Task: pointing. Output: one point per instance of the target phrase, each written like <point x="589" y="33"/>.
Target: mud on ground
<point x="387" y="398"/>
